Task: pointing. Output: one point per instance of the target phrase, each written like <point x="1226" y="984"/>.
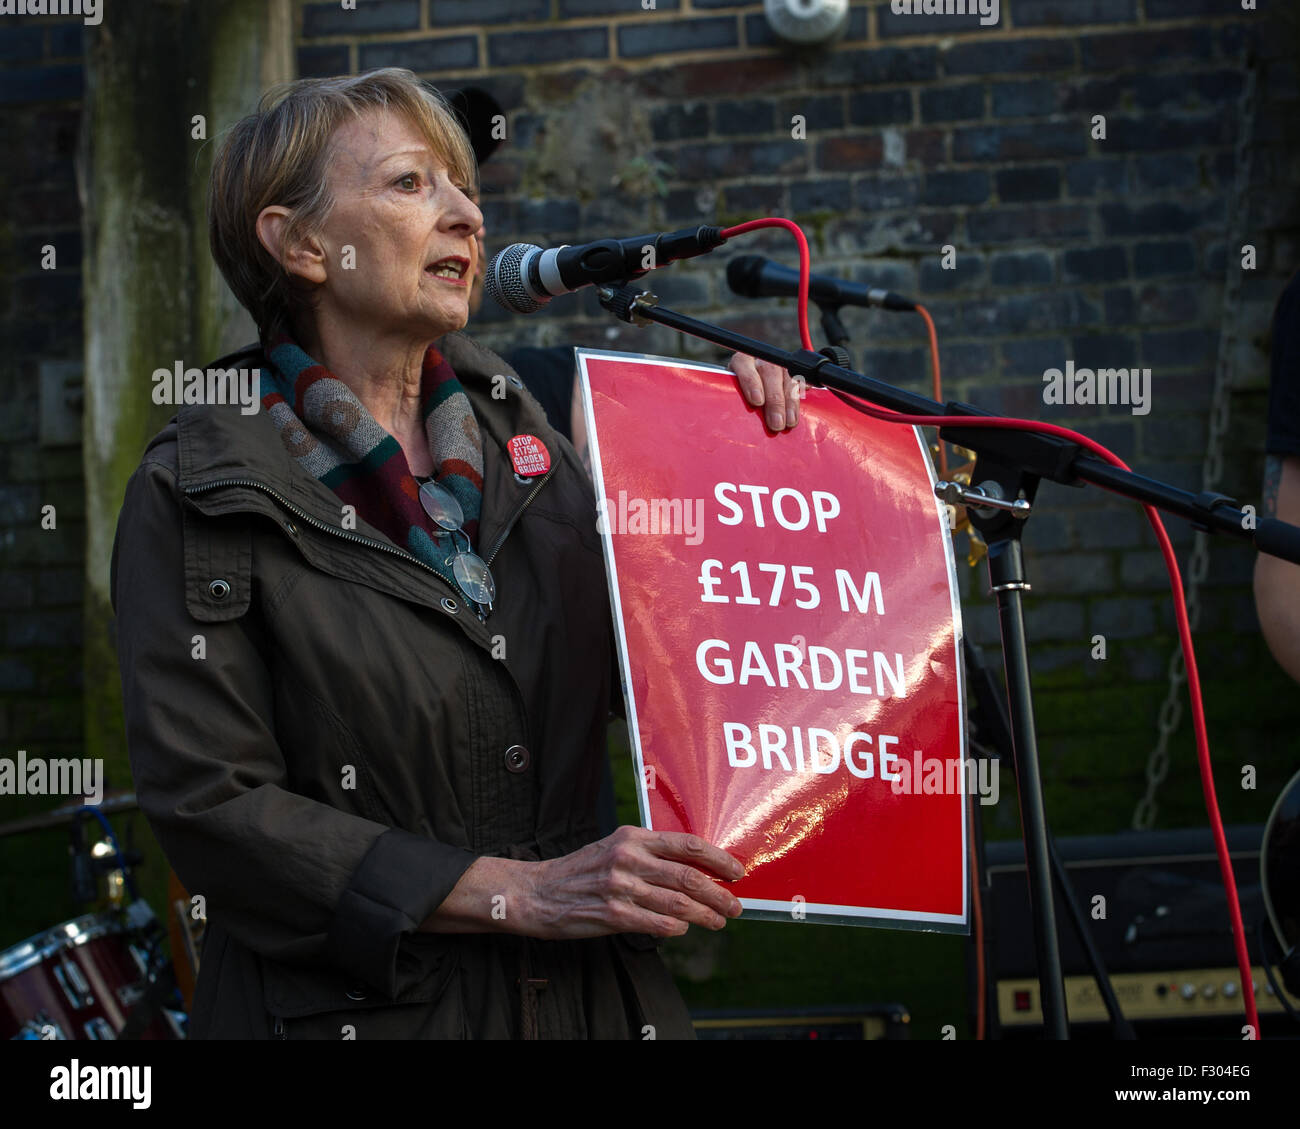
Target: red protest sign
<point x="789" y="632"/>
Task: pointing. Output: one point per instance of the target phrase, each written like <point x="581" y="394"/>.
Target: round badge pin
<point x="529" y="455"/>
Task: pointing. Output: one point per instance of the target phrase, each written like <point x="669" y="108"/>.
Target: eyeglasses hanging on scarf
<point x="469" y="569"/>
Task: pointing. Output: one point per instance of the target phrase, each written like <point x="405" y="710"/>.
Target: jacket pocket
<point x="309" y="1003"/>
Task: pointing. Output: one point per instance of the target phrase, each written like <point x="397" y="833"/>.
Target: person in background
<point x="1277" y="582"/>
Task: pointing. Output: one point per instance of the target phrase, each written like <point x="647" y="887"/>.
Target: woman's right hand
<point x="633" y="881"/>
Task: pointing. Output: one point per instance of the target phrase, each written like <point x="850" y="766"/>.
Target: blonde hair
<point x="279" y="156"/>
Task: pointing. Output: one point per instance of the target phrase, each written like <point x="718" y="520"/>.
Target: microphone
<point x="753" y="276"/>
<point x="523" y="277"/>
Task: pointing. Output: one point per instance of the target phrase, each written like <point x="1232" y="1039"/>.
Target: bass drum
<point x="79" y="980"/>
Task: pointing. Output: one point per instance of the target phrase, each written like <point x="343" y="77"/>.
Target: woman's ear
<point x="304" y="257"/>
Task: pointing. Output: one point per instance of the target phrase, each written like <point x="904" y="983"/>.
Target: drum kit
<point x="104" y="974"/>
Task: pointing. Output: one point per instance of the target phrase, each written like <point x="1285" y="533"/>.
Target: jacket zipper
<point x="315" y="523"/>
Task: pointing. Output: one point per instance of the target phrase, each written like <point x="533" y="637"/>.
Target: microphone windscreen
<point x="503" y="280"/>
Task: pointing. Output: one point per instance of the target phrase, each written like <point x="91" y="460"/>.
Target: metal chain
<point x="1171" y="711"/>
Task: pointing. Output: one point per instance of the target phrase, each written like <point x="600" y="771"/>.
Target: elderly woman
<point x="367" y="665"/>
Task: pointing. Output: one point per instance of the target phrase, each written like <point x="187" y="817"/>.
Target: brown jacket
<point x="324" y="742"/>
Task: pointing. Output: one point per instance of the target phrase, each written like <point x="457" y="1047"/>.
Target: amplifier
<point x="864" y="1021"/>
<point x="1155" y="907"/>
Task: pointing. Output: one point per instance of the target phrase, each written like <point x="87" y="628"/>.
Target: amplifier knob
<point x="1208" y="991"/>
<point x="1229" y="988"/>
<point x="1189" y="991"/>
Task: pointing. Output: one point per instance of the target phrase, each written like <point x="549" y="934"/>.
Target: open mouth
<point x="452" y="268"/>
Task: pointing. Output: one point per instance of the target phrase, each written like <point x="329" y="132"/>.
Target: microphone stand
<point x="1011" y="464"/>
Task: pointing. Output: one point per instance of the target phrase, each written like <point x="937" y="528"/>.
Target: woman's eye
<point x="409" y="181"/>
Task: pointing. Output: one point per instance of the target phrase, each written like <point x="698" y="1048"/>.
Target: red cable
<point x="1166" y="549"/>
<point x="805" y="265"/>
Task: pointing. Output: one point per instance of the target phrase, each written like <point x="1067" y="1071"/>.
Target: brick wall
<point x="924" y="132"/>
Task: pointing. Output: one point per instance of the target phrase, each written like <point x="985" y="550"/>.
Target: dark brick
<point x="1073" y="572"/>
<point x="765" y="198"/>
<point x="1087" y="178"/>
<point x="369" y="16"/>
<point x="1122" y="617"/>
<point x="552" y="217"/>
<point x="1148" y="219"/>
<point x="519" y="48"/>
<point x="874" y="193"/>
<point x="967" y="186"/>
<point x="1166" y="436"/>
<point x="41" y="84"/>
<point x="820" y="195"/>
<point x="1180" y="348"/>
<point x="20" y="43"/>
<point x="952" y="103"/>
<point x="929" y="146"/>
<point x="1018" y="142"/>
<point x="876" y="66"/>
<point x="678" y="121"/>
<point x="322" y="62"/>
<point x="1168" y="305"/>
<point x="1110" y="528"/>
<point x="1013" y="225"/>
<point x="60" y="586"/>
<point x="1094" y="264"/>
<point x="750" y="116"/>
<point x="1182" y="9"/>
<point x="445" y="13"/>
<point x="1154" y="131"/>
<point x="850" y="154"/>
<point x="880" y="107"/>
<point x="1042" y="182"/>
<point x="682" y="205"/>
<point x="1139" y="48"/>
<point x="1104" y="350"/>
<point x="659" y="37"/>
<point x="1118" y="435"/>
<point x="1051" y="619"/>
<point x="967" y="269"/>
<point x="1033" y="355"/>
<point x="887" y="274"/>
<point x="892" y="25"/>
<point x="1024" y="99"/>
<point x="759" y="33"/>
<point x="1013" y="56"/>
<point x="18" y="504"/>
<point x="451" y="53"/>
<point x="1028" y="313"/>
<point x="819" y="112"/>
<point x="1015" y="268"/>
<point x="1182" y="90"/>
<point x="1121" y="307"/>
<point x="1058" y="13"/>
<point x="1169" y="170"/>
<point x="697" y="161"/>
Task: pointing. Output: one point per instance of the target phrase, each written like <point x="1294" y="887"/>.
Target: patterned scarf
<point x="335" y="439"/>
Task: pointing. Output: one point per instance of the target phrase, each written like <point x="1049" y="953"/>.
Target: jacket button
<point x="449" y="605"/>
<point x="219" y="589"/>
<point x="356" y="994"/>
<point x="517" y="758"/>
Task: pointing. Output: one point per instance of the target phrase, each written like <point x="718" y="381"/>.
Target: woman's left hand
<point x="765" y="385"/>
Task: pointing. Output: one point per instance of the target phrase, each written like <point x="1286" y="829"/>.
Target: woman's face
<point x="399" y="210"/>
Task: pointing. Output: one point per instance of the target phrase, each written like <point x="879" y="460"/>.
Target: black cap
<point x="476" y="108"/>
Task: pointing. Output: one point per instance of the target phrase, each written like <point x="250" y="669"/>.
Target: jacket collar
<point x="218" y="443"/>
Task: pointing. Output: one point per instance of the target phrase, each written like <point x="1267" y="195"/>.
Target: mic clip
<point x="625" y="303"/>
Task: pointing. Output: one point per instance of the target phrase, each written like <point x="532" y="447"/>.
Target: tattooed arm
<point x="1277" y="582"/>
